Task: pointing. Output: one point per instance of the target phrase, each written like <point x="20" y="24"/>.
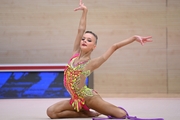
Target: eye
<point x="89" y="40"/>
<point x="83" y="39"/>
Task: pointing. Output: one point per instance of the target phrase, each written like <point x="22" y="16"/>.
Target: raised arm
<point x="97" y="62"/>
<point x="82" y="26"/>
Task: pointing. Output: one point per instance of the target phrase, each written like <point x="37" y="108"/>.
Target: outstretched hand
<point x="81" y="6"/>
<point x="143" y="40"/>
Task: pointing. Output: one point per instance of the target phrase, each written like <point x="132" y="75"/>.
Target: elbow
<point x="114" y="47"/>
<point x="81" y="29"/>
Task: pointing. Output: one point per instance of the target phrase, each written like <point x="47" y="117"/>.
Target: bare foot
<point x="91" y="113"/>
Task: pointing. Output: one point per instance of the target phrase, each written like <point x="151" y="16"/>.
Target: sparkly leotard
<point x="72" y="77"/>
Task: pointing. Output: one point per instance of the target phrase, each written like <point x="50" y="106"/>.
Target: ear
<point x="94" y="47"/>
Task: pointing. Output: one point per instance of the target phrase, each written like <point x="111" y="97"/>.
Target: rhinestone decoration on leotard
<point x="71" y="81"/>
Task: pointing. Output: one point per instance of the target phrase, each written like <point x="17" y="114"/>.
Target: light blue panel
<point x="4" y="77"/>
<point x="40" y="87"/>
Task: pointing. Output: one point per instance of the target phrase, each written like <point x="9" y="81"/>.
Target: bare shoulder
<point x="94" y="63"/>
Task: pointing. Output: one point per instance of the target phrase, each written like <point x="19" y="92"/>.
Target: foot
<point x="92" y="113"/>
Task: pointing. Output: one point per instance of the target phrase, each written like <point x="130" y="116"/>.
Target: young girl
<point x="79" y="67"/>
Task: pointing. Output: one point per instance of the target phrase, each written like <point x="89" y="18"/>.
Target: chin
<point x="85" y="49"/>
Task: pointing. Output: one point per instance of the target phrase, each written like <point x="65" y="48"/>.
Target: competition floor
<point x="35" y="109"/>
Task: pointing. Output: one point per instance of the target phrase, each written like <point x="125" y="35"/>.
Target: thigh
<point x="63" y="109"/>
<point x="98" y="104"/>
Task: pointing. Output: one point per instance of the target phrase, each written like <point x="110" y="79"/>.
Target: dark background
<point x="32" y="85"/>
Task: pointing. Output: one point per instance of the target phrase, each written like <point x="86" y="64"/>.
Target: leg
<point x="63" y="109"/>
<point x="98" y="104"/>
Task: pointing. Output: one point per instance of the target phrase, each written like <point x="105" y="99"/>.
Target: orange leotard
<point x="72" y="78"/>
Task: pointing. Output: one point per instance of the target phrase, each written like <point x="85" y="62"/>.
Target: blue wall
<point x="32" y="85"/>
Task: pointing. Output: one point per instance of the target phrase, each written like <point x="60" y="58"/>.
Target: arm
<point x="82" y="26"/>
<point x="97" y="62"/>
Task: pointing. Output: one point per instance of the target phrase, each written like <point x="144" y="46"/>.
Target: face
<point x="88" y="42"/>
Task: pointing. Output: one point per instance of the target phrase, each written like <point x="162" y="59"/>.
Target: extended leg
<point x="98" y="104"/>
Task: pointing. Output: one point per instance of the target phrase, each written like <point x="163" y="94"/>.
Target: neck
<point x="85" y="55"/>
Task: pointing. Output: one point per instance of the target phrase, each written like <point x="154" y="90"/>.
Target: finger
<point x="77" y="8"/>
<point x="148" y="40"/>
<point x="147" y="37"/>
<point x="141" y="42"/>
<point x="80" y="2"/>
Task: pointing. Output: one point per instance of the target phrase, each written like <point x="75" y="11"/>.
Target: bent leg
<point x="63" y="109"/>
<point x="98" y="104"/>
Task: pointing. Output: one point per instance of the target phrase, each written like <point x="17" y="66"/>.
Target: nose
<point x="85" y="40"/>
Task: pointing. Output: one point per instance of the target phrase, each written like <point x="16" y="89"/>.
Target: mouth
<point x="84" y="44"/>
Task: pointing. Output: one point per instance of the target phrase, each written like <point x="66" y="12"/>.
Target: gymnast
<point x="81" y="66"/>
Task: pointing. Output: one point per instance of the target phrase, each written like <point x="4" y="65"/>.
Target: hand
<point x="142" y="40"/>
<point x="81" y="6"/>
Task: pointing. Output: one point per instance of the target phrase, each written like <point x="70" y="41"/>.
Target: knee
<point x="123" y="114"/>
<point x="51" y="113"/>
